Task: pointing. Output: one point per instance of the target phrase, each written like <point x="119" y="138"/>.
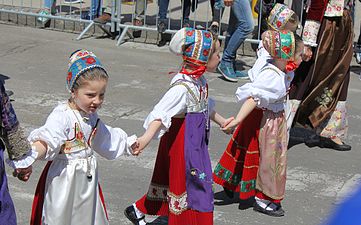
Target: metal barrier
<point x="48" y="9"/>
<point x="125" y="12"/>
<point x="200" y="18"/>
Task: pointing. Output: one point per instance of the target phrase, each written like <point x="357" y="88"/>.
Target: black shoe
<point x="164" y="39"/>
<point x="229" y="193"/>
<point x="278" y="212"/>
<point x="137" y="33"/>
<point x="129" y="212"/>
<point x="328" y="143"/>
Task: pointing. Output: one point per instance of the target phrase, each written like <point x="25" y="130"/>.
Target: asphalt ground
<point x="33" y="63"/>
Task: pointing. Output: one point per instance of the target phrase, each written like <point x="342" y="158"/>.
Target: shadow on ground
<point x="298" y="135"/>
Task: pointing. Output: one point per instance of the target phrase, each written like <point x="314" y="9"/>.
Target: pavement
<point x="33" y="63"/>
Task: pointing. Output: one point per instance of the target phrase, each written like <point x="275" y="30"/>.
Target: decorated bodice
<point x="79" y="139"/>
<point x="197" y="94"/>
<point x="70" y="135"/>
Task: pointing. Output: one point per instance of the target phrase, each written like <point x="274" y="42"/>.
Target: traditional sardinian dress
<point x="181" y="186"/>
<point x="263" y="60"/>
<point x="319" y="90"/>
<point x="256" y="156"/>
<point x="68" y="192"/>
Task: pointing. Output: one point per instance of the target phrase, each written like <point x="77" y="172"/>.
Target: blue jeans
<point x="94" y="9"/>
<point x="163" y="8"/>
<point x="239" y="26"/>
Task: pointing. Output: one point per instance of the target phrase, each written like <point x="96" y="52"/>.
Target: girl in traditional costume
<point x="281" y="17"/>
<point x="181" y="186"/>
<point x="255" y="160"/>
<point x="68" y="192"/>
<point x="319" y="90"/>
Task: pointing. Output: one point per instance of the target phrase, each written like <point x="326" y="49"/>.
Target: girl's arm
<point x="245" y="110"/>
<point x="220" y="120"/>
<point x="41" y="147"/>
<point x="24" y="173"/>
<point x="145" y="139"/>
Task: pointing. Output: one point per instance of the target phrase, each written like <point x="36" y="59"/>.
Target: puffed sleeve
<point x="172" y="103"/>
<point x="111" y="142"/>
<point x="267" y="88"/>
<point x="53" y="133"/>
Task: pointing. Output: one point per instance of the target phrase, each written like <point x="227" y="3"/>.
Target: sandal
<point x="277" y="212"/>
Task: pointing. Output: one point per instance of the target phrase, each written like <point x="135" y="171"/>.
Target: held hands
<point x="139" y="145"/>
<point x="23" y="174"/>
<point x="229" y="128"/>
<point x="225" y="123"/>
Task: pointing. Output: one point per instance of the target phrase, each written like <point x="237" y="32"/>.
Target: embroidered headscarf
<point x="195" y="46"/>
<point x="280" y="44"/>
<point x="79" y="62"/>
<point x="279" y="16"/>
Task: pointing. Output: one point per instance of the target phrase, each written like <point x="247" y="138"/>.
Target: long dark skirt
<point x="322" y="83"/>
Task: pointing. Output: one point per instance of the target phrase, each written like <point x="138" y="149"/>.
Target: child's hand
<point x="227" y="121"/>
<point x="140" y="145"/>
<point x="23" y="174"/>
<point x="228" y="129"/>
<point x="134" y="146"/>
<point x="307" y="53"/>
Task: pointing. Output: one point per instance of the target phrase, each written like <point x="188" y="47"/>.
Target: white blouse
<point x="176" y="101"/>
<point x="60" y="127"/>
<point x="268" y="88"/>
<point x="263" y="58"/>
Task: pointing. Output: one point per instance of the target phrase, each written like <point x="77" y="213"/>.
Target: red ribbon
<point x="195" y="71"/>
<point x="291" y="66"/>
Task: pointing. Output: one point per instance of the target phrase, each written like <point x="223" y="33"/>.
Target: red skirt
<point x="237" y="169"/>
<point x="167" y="194"/>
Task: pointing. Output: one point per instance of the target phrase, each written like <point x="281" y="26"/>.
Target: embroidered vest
<point x="195" y="103"/>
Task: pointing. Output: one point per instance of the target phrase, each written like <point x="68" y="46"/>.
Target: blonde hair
<point x="292" y="23"/>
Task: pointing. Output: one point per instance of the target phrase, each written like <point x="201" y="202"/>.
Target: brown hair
<point x="89" y="75"/>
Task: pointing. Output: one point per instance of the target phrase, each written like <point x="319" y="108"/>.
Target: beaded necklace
<point x="93" y="130"/>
